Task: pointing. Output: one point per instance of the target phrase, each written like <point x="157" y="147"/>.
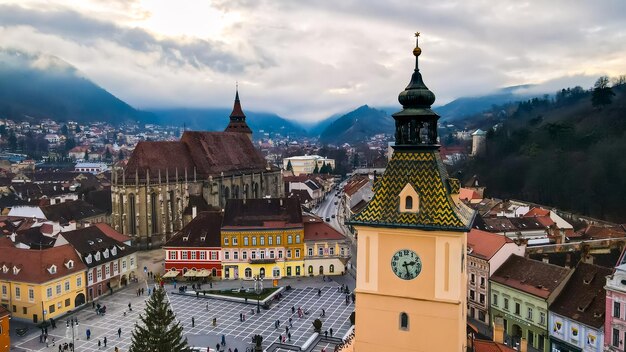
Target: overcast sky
<point x="306" y="60"/>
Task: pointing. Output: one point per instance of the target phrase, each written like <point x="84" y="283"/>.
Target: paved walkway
<point x="239" y="334"/>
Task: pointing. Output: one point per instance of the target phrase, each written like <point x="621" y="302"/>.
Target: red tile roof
<point x="262" y="213"/>
<point x="34" y="264"/>
<point x="468" y="194"/>
<point x="533" y="277"/>
<point x="209" y="153"/>
<point x="110" y="232"/>
<point x="316" y="229"/>
<point x="583" y="297"/>
<point x="485" y="244"/>
<point x="354" y="184"/>
<point x="491" y="346"/>
<point x="537" y="212"/>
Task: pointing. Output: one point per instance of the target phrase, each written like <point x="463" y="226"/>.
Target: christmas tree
<point x="159" y="331"/>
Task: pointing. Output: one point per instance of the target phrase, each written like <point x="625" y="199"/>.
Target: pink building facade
<point x="615" y="314"/>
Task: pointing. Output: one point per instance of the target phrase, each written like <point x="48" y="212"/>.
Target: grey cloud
<point x="88" y="31"/>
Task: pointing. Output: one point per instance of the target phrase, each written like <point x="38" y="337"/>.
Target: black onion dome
<point x="416" y="94"/>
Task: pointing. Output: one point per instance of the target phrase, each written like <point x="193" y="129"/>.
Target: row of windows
<point x="58" y="289"/>
<point x="194" y="255"/>
<point x="261" y="240"/>
<point x="261" y="254"/>
<point x="473" y="280"/>
<point x="530" y="314"/>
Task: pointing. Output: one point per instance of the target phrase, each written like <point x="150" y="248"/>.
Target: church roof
<point x="424" y="170"/>
<point x="209" y="153"/>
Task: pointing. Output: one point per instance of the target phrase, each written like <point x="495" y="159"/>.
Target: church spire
<point x="416" y="124"/>
<point x="237" y="113"/>
<point x="238" y="118"/>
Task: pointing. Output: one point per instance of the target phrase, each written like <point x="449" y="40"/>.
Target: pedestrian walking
<point x="105" y="341"/>
<point x="214" y="322"/>
<point x="290" y="324"/>
<point x="293" y="309"/>
<point x="280" y="338"/>
<point x="88" y="333"/>
<point x="116" y="349"/>
<point x="331" y="332"/>
<point x="223" y="340"/>
<point x="119" y="333"/>
<point x="319" y="292"/>
<point x="286" y="329"/>
<point x="130" y="308"/>
<point x="193" y="322"/>
<point x="240" y="316"/>
<point x="99" y="344"/>
<point x="289" y="336"/>
<point x="207" y="307"/>
<point x="326" y="333"/>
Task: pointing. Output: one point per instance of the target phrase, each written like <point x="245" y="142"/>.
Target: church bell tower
<point x="411" y="279"/>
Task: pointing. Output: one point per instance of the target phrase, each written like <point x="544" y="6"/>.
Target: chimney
<point x="523" y="345"/>
<point x="498" y="329"/>
<point x="194" y="212"/>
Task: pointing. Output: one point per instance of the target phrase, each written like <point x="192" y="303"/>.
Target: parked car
<point x="333" y="216"/>
<point x="327" y="219"/>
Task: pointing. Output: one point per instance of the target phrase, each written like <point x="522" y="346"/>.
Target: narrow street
<point x="331" y="209"/>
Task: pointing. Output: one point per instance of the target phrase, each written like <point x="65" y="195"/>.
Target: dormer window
<point x="88" y="259"/>
<point x="91" y="243"/>
<point x="114" y="251"/>
<point x="97" y="256"/>
<point x="52" y="269"/>
<point x="409" y="200"/>
<point x="5" y="269"/>
<point x="16" y="270"/>
<point x="99" y="240"/>
<point x="106" y="253"/>
<point x="69" y="264"/>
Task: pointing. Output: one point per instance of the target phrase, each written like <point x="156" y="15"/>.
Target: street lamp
<point x="73" y="341"/>
<point x="258" y="288"/>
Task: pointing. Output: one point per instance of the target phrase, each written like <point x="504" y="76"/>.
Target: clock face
<point x="406" y="264"/>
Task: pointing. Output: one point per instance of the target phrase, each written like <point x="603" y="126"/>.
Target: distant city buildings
<point x="307" y="164"/>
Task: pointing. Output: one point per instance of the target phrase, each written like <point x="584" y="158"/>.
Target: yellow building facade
<point x="41" y="284"/>
<point x="327" y="251"/>
<point x="411" y="279"/>
<point x="272" y="253"/>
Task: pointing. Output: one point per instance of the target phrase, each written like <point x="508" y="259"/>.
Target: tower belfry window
<point x="408" y="202"/>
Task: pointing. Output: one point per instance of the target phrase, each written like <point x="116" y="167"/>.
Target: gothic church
<point x="165" y="184"/>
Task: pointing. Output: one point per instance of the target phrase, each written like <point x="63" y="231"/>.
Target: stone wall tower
<point x="411" y="279"/>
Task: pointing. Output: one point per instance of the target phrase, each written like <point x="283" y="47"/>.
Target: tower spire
<point x="416" y="124"/>
<point x="237" y="117"/>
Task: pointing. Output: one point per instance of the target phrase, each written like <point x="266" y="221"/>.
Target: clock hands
<point x="406" y="267"/>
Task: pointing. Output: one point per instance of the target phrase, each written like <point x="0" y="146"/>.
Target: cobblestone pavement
<point x="239" y="334"/>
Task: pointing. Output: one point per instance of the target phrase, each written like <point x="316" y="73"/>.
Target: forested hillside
<point x="568" y="151"/>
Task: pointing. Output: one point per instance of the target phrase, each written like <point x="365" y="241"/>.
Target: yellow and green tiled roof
<point x="425" y="171"/>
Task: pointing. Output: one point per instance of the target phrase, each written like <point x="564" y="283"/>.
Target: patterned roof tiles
<point x="424" y="170"/>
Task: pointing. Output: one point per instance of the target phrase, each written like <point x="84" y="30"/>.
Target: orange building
<point x="5" y="340"/>
<point x="411" y="283"/>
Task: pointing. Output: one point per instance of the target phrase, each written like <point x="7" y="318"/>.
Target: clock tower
<point x="411" y="280"/>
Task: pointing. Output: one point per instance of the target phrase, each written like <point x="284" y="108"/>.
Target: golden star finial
<point x="417" y="34"/>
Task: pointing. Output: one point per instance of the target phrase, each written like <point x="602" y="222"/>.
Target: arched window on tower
<point x="404" y="321"/>
<point x="408" y="202"/>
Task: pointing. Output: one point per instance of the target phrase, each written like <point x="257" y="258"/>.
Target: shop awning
<point x="171" y="273"/>
<point x="203" y="273"/>
<point x="190" y="273"/>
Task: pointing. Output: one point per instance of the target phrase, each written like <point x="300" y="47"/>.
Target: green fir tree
<point x="316" y="170"/>
<point x="289" y="166"/>
<point x="159" y="332"/>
